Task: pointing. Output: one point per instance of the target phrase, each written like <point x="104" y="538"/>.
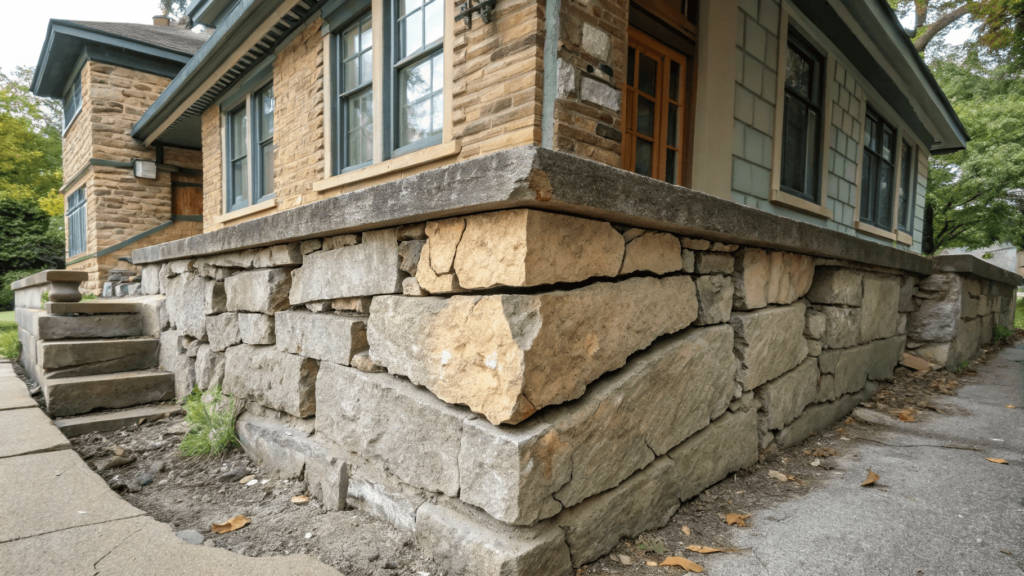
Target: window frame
<point x="395" y="64"/>
<point x="868" y="193"/>
<point x="794" y="39"/>
<point x="74" y="93"/>
<point x="908" y="186"/>
<point x="77" y="219"/>
<point x="340" y="100"/>
<point x="245" y="99"/>
<point x="257" y="143"/>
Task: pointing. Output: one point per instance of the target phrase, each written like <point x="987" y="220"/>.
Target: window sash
<point x="354" y="108"/>
<point x="73" y="102"/>
<point x="263" y="161"/>
<point x="238" y="158"/>
<point x="877" y="198"/>
<point x="76" y="215"/>
<point x="908" y="188"/>
<point x="427" y="101"/>
<point x="801" y="164"/>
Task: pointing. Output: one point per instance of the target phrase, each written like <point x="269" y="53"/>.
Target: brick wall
<point x="213" y="169"/>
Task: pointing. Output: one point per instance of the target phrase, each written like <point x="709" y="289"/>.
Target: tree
<point x="975" y="194"/>
<point x="1000" y="22"/>
<point x="175" y="8"/>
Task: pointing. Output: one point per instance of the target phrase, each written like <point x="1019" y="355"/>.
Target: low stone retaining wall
<point x="521" y="388"/>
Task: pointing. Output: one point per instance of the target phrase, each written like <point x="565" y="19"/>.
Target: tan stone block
<point x="652" y="252"/>
<point x="443" y="237"/>
<point x="791" y="277"/>
<point x="751" y="277"/>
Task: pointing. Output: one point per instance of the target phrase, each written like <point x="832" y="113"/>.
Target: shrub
<point x="1000" y="333"/>
<point x="8" y="278"/>
<point x="10" y="346"/>
<point x="210" y="417"/>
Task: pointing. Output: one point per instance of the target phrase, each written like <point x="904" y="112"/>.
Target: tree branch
<point x="920" y="13"/>
<point x="940" y="24"/>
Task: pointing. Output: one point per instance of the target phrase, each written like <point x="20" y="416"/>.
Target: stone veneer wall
<point x="521" y="389"/>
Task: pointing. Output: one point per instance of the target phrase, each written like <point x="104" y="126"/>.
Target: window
<point x="76" y="222"/>
<point x="801" y="132"/>
<point x="356" y="94"/>
<point x="249" y="150"/>
<point x="419" y="69"/>
<point x="73" y="102"/>
<point x="908" y="185"/>
<point x="876" y="197"/>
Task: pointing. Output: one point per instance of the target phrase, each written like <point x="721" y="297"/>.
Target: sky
<point x="23" y="36"/>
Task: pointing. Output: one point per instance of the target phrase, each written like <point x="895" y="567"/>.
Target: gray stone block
<point x="256" y="329"/>
<point x="599" y="93"/>
<point x="281" y="255"/>
<point x="467" y="546"/>
<point x="847" y="371"/>
<point x="784" y="398"/>
<point x="186" y="304"/>
<point x="79" y="395"/>
<point x="842" y="326"/>
<point x="366" y="269"/>
<point x="769" y="342"/>
<point x="940" y="307"/>
<point x="331" y="337"/>
<point x="49" y="327"/>
<point x="751" y="276"/>
<point x="151" y="279"/>
<point x="713" y="263"/>
<point x="880" y="308"/>
<point x="184" y="375"/>
<point x="271" y="378"/>
<point x="817" y="417"/>
<point x="169" y="350"/>
<point x="209" y="367"/>
<point x="263" y="291"/>
<point x="67" y="358"/>
<point x="216" y="298"/>
<point x="836" y="286"/>
<point x="714" y="299"/>
<point x="815" y="326"/>
<point x="223" y="331"/>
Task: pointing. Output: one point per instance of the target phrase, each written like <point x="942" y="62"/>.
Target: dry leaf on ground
<point x="686" y="530"/>
<point x="997" y="460"/>
<point x="737" y="519"/>
<point x="709" y="550"/>
<point x="906" y="415"/>
<point x="231" y="525"/>
<point x="1010" y="406"/>
<point x="778" y="475"/>
<point x="247" y="479"/>
<point x="650" y="563"/>
<point x="300" y="500"/>
<point x="683" y="563"/>
<point x="871" y="479"/>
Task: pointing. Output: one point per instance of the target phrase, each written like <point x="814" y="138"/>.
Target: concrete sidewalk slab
<point x="44" y="493"/>
<point x="28" y="431"/>
<point x="13" y="392"/>
<point x="935" y="511"/>
<point x="140" y="546"/>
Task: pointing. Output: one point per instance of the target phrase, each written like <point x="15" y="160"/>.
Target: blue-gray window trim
<point x="229" y="148"/>
<point x="74" y="97"/>
<point x="908" y="176"/>
<point x="344" y="18"/>
<point x="392" y="97"/>
<point x="256" y="148"/>
<point x="243" y="95"/>
<point x="77" y="219"/>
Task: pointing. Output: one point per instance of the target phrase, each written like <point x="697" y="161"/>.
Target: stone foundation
<point x="521" y="389"/>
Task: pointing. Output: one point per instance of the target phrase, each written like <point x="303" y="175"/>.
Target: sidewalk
<point x="59" y="518"/>
<point x="935" y="511"/>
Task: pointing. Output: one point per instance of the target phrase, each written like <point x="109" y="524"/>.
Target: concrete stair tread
<point x="115" y="376"/>
<point x="93" y="307"/>
<point x="114" y="420"/>
<point x="82" y="394"/>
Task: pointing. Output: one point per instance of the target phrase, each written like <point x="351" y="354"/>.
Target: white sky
<point x="26" y="21"/>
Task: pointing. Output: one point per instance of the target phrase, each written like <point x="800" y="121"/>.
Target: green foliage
<point x="962" y="366"/>
<point x="1000" y="333"/>
<point x="44" y="299"/>
<point x="210" y="416"/>
<point x="10" y="346"/>
<point x="88" y="296"/>
<point x="1018" y="317"/>
<point x="999" y="23"/>
<point x="975" y="193"/>
<point x="27" y="239"/>
<point x="8" y="278"/>
<point x="172" y="8"/>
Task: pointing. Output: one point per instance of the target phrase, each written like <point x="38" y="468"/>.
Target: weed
<point x="1001" y="333"/>
<point x="962" y="366"/>
<point x="210" y="417"/>
<point x="88" y="296"/>
<point x="10" y="346"/>
<point x="1018" y="318"/>
<point x="44" y="299"/>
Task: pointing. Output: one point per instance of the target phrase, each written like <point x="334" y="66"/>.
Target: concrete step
<point x="82" y="394"/>
<point x="93" y="307"/>
<point x="70" y="358"/>
<point x="107" y="421"/>
<point x="56" y="327"/>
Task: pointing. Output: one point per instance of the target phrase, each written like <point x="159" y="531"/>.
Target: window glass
<point x="421" y="107"/>
<point x="420" y="24"/>
<point x="908" y="171"/>
<point x="356" y="104"/>
<point x="264" y="102"/>
<point x="76" y="222"/>
<point x="876" y="193"/>
<point x="800" y="172"/>
<point x="73" y="102"/>
<point x="238" y="152"/>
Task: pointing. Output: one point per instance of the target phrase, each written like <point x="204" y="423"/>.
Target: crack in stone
<point x="70" y="528"/>
<point x="123" y="540"/>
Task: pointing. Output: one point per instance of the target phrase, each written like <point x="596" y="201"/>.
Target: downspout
<point x="552" y="28"/>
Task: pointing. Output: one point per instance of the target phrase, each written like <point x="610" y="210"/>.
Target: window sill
<point x="874" y="231"/>
<point x="904" y="238"/>
<point x="410" y="160"/>
<point x="243" y="212"/>
<point x="781" y="198"/>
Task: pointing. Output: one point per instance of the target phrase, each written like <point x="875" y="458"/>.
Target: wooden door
<point x="655" y="139"/>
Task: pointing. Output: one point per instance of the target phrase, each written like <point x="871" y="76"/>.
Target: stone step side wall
<point x="521" y="399"/>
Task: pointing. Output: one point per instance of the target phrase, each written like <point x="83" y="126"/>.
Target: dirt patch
<point x="192" y="493"/>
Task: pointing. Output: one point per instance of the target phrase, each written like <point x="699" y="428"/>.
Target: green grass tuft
<point x="210" y="417"/>
<point x="10" y="346"/>
<point x="1018" y="318"/>
<point x="88" y="296"/>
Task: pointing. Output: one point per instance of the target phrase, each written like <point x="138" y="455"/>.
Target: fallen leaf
<point x="849" y="420"/>
<point x="247" y="479"/>
<point x="1007" y="552"/>
<point x="777" y="475"/>
<point x="997" y="460"/>
<point x="823" y="452"/>
<point x="300" y="500"/>
<point x="683" y="563"/>
<point x="1010" y="406"/>
<point x="231" y="525"/>
<point x="906" y="415"/>
<point x="686" y="530"/>
<point x="709" y="550"/>
<point x="871" y="479"/>
<point x="737" y="519"/>
<point x="649" y="563"/>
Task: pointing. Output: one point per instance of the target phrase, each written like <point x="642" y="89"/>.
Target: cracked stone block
<point x="751" y="276"/>
<point x="791" y="277"/>
<point x="714" y="299"/>
<point x="769" y="342"/>
<point x="331" y="337"/>
<point x="365" y="269"/>
<point x="842" y="326"/>
<point x="655" y="252"/>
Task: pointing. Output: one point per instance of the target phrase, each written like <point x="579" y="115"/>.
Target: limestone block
<point x="186" y="304"/>
<point x="320" y="306"/>
<point x="184" y="375"/>
<point x="331" y="337"/>
<point x="688" y="261"/>
<point x="847" y="371"/>
<point x="60" y="327"/>
<point x="784" y="398"/>
<point x="649" y="498"/>
<point x="416" y="231"/>
<point x="652" y="252"/>
<point x="816" y="324"/>
<point x="223" y="331"/>
<point x="410" y="287"/>
<point x="280" y="255"/>
<point x="751" y="276"/>
<point x="358" y="305"/>
<point x="714" y="299"/>
<point x="153" y="314"/>
<point x="256" y="329"/>
<point x="409" y="255"/>
<point x="814" y="348"/>
<point x="966" y="342"/>
<point x="361" y="361"/>
<point x="935" y="319"/>
<point x="696" y="244"/>
<point x="842" y="326"/>
<point x="531" y="248"/>
<point x="271" y="378"/>
<point x="365" y="269"/>
<point x="445" y="236"/>
<point x="474" y="547"/>
<point x="180" y="267"/>
<point x="403" y="429"/>
<point x="70" y="358"/>
<point x="908" y="286"/>
<point x="209" y="367"/>
<point x="820" y="416"/>
<point x="880" y="308"/>
<point x="747" y="401"/>
<point x="216" y="298"/>
<point x="310" y="246"/>
<point x="564" y="455"/>
<point x="836" y="286"/>
<point x="901" y="328"/>
<point x="791" y="277"/>
<point x="264" y="291"/>
<point x="151" y="279"/>
<point x="432" y="282"/>
<point x="936" y="353"/>
<point x="341" y="241"/>
<point x="169" y="350"/>
<point x="242" y="259"/>
<point x="506" y="356"/>
<point x="769" y="343"/>
<point x="713" y="263"/>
